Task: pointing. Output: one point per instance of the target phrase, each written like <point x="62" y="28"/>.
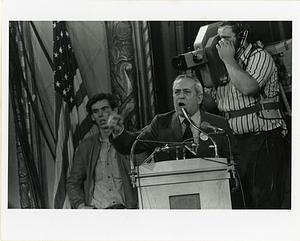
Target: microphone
<point x="200" y="129"/>
<point x="206" y="125"/>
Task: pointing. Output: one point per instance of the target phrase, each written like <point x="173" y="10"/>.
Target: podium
<point x="198" y="183"/>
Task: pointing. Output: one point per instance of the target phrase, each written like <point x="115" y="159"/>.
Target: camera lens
<point x="179" y="63"/>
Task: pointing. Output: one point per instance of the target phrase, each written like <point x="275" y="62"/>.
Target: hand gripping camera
<point x="204" y="58"/>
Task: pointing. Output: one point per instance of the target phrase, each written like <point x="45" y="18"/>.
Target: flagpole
<point x="38" y="94"/>
<point x="42" y="45"/>
<point x="36" y="116"/>
<point x="34" y="79"/>
<point x="30" y="190"/>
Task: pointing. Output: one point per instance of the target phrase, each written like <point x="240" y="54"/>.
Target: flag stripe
<point x="59" y="155"/>
<point x="61" y="190"/>
<point x="80" y="132"/>
<point x="80" y="95"/>
<point x="59" y="140"/>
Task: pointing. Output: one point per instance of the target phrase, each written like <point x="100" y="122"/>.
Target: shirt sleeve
<point x="260" y="66"/>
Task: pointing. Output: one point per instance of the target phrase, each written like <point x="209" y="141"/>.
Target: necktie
<point x="188" y="132"/>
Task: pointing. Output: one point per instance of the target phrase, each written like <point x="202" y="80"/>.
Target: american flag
<point x="71" y="122"/>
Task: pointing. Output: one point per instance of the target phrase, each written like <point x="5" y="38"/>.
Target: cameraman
<point x="252" y="84"/>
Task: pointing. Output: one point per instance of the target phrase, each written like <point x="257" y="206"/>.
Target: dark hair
<point x="238" y="27"/>
<point x="101" y="96"/>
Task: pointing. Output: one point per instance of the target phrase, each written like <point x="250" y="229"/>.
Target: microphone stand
<point x="232" y="164"/>
<point x="197" y="128"/>
<point x="167" y="147"/>
<point x="133" y="171"/>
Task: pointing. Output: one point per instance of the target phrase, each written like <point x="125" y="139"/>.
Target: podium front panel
<point x="174" y="185"/>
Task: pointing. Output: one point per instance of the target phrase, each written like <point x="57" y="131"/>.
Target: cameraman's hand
<point x="226" y="51"/>
<point x="115" y="123"/>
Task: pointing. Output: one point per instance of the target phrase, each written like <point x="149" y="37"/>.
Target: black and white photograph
<point x="185" y="122"/>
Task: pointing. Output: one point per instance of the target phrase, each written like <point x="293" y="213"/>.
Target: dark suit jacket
<point x="167" y="128"/>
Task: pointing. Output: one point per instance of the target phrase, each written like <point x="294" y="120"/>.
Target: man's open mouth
<point x="102" y="122"/>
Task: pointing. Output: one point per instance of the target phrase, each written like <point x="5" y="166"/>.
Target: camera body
<point x="204" y="58"/>
<point x="189" y="60"/>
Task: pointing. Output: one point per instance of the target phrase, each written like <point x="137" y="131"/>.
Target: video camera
<point x="204" y="58"/>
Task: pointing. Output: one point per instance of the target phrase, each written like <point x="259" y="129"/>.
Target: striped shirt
<point x="260" y="66"/>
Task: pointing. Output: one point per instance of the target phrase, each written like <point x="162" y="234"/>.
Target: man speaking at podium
<point x="175" y="127"/>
